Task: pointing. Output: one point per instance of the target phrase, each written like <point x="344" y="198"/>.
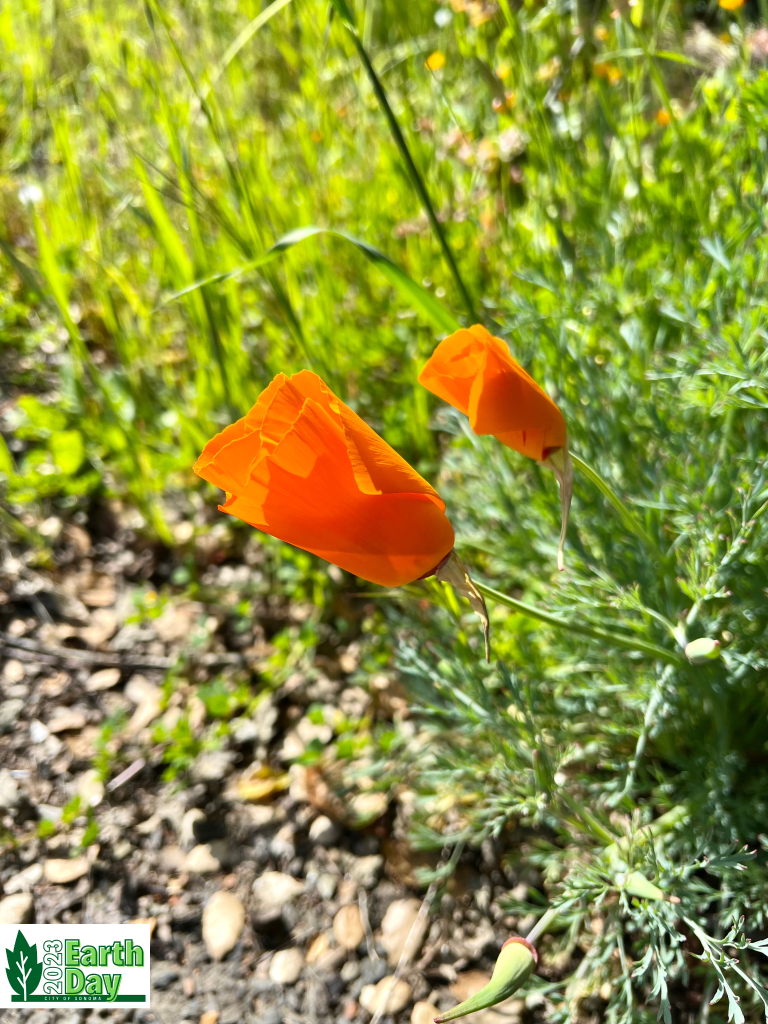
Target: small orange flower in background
<point x="475" y="372"/>
<point x="303" y="467"/>
<point x="730" y="5"/>
<point x="610" y="72"/>
<point x="662" y="118"/>
<point x="435" y="61"/>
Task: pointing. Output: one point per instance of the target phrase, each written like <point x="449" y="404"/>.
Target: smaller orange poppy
<point x="475" y="372"/>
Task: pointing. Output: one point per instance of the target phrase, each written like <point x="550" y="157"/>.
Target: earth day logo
<point x="96" y="968"/>
<point x="24" y="970"/>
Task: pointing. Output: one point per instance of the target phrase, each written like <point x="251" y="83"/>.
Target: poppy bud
<point x="475" y="373"/>
<point x="636" y="884"/>
<point x="700" y="651"/>
<point x="513" y="968"/>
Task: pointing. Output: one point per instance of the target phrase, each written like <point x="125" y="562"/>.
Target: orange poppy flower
<point x="303" y="467"/>
<point x="475" y="372"/>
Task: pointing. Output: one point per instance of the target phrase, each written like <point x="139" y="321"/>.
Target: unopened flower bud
<point x="514" y="967"/>
<point x="700" y="651"/>
<point x="636" y="884"/>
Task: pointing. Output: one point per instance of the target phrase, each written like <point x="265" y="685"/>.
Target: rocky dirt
<point x="159" y="762"/>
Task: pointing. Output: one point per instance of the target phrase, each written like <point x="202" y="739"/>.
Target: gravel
<point x="189" y="797"/>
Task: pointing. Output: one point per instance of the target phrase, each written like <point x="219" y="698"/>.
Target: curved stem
<point x="542" y="924"/>
<point x="629" y="519"/>
<point x="631" y="643"/>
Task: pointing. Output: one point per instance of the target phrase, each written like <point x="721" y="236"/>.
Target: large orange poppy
<point x="303" y="467"/>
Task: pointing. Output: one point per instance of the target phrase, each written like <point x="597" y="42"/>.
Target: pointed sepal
<point x="452" y="570"/>
<point x="560" y="462"/>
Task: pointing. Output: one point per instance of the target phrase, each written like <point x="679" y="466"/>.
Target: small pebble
<point x="90" y="788"/>
<point x="24" y="880"/>
<point x="323" y="832"/>
<point x="17" y="909"/>
<point x="200" y="861"/>
<point x="223" y="922"/>
<point x="286" y="966"/>
<point x="423" y="1013"/>
<point x="348" y="927"/>
<point x="13" y="671"/>
<point x="164" y="979"/>
<point x="38" y="732"/>
<point x="387" y="996"/>
<point x="326" y="885"/>
<point x="60" y="872"/>
<point x="9" y="791"/>
<point x="9" y="714"/>
<point x="104" y="679"/>
<point x="212" y="766"/>
<point x="350" y="971"/>
<point x="64" y="720"/>
<point x="366" y="870"/>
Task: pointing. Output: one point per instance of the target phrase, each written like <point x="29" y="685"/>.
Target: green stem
<point x="344" y="13"/>
<point x="628" y="518"/>
<point x="542" y="924"/>
<point x="631" y="643"/>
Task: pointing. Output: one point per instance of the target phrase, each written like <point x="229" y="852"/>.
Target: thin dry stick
<point x="407" y="955"/>
<point x="362" y="900"/>
<point x="74" y="655"/>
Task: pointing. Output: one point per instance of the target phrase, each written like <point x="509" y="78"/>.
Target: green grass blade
<point x="243" y="38"/>
<point x="343" y="11"/>
<point x="426" y="303"/>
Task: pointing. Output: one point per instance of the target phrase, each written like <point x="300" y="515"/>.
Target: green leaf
<point x="7" y="467"/>
<point x="68" y="450"/>
<point x="43" y="419"/>
<point x="59" y="286"/>
<point x="426" y="303"/>
<point x="216" y="698"/>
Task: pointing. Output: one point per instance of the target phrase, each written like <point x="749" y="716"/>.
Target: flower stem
<point x="631" y="643"/>
<point x="542" y="924"/>
<point x="630" y="520"/>
<point x="341" y="8"/>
